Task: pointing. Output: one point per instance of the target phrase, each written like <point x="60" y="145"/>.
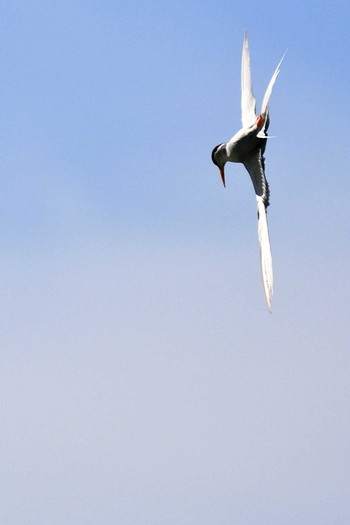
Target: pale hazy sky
<point x="143" y="381"/>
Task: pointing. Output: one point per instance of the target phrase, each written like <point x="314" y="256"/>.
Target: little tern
<point x="247" y="146"/>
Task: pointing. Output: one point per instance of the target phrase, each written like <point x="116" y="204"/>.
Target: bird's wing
<point x="255" y="167"/>
<point x="247" y="97"/>
<point x="265" y="102"/>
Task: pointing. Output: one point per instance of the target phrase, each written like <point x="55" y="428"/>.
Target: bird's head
<point x="219" y="157"/>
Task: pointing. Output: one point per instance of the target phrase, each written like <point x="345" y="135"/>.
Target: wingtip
<point x="245" y="38"/>
<point x="269" y="305"/>
<point x="268" y="295"/>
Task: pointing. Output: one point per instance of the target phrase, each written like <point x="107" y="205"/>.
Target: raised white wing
<point x="265" y="102"/>
<point x="247" y="97"/>
<point x="255" y="167"/>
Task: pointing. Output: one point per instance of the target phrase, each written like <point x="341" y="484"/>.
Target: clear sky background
<point x="143" y="380"/>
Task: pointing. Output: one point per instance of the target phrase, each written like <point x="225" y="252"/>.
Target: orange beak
<point x="222" y="173"/>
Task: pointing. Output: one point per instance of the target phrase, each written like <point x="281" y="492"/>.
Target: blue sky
<point x="143" y="380"/>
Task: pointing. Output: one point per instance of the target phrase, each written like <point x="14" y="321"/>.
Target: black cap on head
<point x="213" y="154"/>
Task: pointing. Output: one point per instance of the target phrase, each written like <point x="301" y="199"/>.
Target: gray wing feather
<point x="255" y="165"/>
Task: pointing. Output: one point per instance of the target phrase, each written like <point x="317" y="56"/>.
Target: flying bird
<point x="247" y="146"/>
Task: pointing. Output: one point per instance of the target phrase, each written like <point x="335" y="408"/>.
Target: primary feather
<point x="248" y="103"/>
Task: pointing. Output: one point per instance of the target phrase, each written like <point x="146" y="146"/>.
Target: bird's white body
<point x="247" y="146"/>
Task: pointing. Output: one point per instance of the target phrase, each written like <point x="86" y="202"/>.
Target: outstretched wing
<point x="266" y="99"/>
<point x="255" y="167"/>
<point x="265" y="102"/>
<point x="247" y="97"/>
